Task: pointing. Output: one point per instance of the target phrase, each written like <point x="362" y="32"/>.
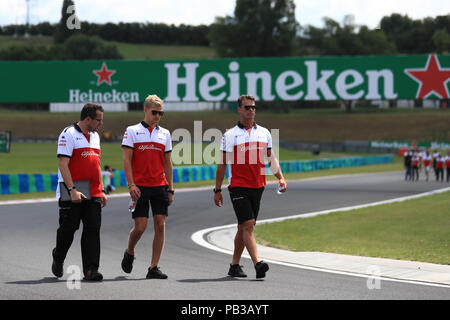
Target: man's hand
<point x="170" y="198"/>
<point x="103" y="199"/>
<point x="218" y="199"/>
<point x="282" y="183"/>
<point x="76" y="196"/>
<point x="135" y="193"/>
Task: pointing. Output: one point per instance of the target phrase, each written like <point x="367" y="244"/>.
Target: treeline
<point x="77" y="47"/>
<point x="153" y="33"/>
<point x="418" y="36"/>
<point x="397" y="35"/>
<point x="269" y="28"/>
<point x="257" y="29"/>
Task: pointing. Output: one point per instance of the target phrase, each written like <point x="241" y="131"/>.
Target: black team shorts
<point x="246" y="202"/>
<point x="157" y="197"/>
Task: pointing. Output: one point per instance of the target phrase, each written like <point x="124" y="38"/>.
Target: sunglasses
<point x="154" y="112"/>
<point x="249" y="107"/>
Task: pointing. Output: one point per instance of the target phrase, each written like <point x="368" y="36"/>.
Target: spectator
<point x="415" y="162"/>
<point x="440" y="167"/>
<point x="407" y="162"/>
<point x="108" y="173"/>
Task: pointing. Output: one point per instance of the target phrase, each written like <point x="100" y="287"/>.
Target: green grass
<point x="132" y="51"/>
<point x="416" y="230"/>
<point x="9" y="41"/>
<point x="129" y="51"/>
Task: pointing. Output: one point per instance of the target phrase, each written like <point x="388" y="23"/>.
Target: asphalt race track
<point x="28" y="233"/>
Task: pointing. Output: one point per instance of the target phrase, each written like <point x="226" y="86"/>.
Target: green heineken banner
<point x="289" y="79"/>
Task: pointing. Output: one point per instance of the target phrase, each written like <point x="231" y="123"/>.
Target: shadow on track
<point x="227" y="278"/>
<point x="41" y="281"/>
<point x="56" y="280"/>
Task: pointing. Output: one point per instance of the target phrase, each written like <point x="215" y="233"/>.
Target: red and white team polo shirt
<point x="84" y="153"/>
<point x="249" y="149"/>
<point x="447" y="162"/>
<point x="440" y="161"/>
<point x="149" y="147"/>
<point x="415" y="161"/>
<point x="427" y="160"/>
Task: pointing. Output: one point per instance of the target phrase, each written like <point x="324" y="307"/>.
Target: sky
<point x="196" y="12"/>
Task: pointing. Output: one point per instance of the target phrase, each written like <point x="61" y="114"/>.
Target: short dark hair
<point x="245" y="96"/>
<point x="90" y="110"/>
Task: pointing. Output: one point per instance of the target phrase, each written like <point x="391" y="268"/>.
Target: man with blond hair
<point x="148" y="168"/>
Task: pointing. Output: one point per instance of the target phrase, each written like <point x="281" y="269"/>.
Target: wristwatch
<point x="217" y="190"/>
<point x="71" y="188"/>
<point x="171" y="191"/>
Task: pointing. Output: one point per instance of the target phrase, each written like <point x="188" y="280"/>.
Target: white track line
<point x="199" y="238"/>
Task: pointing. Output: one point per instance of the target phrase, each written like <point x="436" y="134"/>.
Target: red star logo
<point x="104" y="75"/>
<point x="432" y="79"/>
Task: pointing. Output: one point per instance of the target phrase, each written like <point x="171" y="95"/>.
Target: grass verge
<point x="416" y="230"/>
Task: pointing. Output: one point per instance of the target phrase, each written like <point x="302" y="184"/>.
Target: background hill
<point x="311" y="125"/>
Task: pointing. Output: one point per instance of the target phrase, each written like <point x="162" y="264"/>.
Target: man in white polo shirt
<point x="245" y="146"/>
<point x="148" y="167"/>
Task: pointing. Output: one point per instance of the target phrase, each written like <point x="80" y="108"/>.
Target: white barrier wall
<point x="191" y="106"/>
<point x="76" y="107"/>
<point x="123" y="107"/>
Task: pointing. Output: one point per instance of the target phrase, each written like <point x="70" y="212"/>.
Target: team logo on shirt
<point x="148" y="147"/>
<point x="86" y="154"/>
<point x="249" y="148"/>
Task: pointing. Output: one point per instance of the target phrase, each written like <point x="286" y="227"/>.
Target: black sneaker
<point x="127" y="262"/>
<point x="93" y="275"/>
<point x="155" y="273"/>
<point x="261" y="269"/>
<point x="236" y="271"/>
<point x="57" y="267"/>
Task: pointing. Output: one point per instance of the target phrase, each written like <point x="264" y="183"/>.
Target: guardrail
<point x="23" y="183"/>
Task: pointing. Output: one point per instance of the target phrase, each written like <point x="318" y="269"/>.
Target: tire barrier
<point x="23" y="183"/>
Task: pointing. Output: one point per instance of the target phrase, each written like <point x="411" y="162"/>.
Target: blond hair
<point x="153" y="100"/>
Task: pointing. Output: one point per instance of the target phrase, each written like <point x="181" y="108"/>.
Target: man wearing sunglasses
<point x="148" y="167"/>
<point x="79" y="160"/>
<point x="244" y="148"/>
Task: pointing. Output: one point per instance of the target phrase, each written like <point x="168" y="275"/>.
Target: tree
<point x="65" y="27"/>
<point x="259" y="28"/>
<point x="441" y="41"/>
<point x="398" y="28"/>
<point x="345" y="39"/>
<point x="416" y="36"/>
<point x="83" y="47"/>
